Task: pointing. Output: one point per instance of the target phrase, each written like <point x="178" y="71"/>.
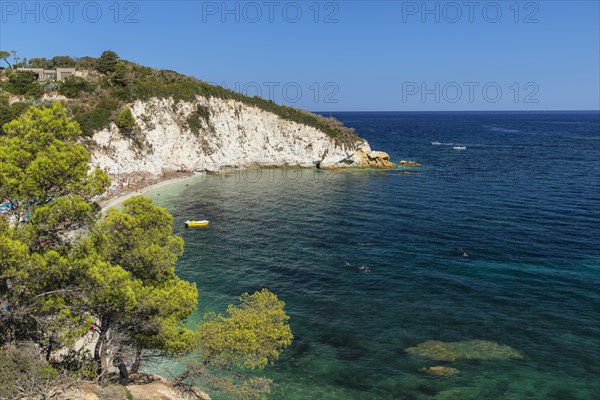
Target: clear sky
<point x="340" y="55"/>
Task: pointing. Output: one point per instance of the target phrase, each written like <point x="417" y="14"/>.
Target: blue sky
<point x="340" y="55"/>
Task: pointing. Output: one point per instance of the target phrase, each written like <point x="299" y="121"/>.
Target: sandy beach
<point x="127" y="194"/>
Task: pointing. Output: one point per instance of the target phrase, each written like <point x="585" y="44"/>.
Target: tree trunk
<point x="49" y="350"/>
<point x="100" y="349"/>
<point x="135" y="368"/>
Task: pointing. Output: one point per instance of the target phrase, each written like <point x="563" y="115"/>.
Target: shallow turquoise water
<point x="367" y="261"/>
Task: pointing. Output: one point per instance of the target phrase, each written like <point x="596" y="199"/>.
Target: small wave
<point x="562" y="122"/>
<point x="500" y="129"/>
<point x="586" y="137"/>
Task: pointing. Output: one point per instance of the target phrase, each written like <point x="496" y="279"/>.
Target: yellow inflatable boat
<point x="194" y="224"/>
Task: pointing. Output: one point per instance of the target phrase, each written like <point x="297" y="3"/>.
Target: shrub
<point x="79" y="363"/>
<point x="35" y="377"/>
<point x="73" y="86"/>
<point x="194" y="120"/>
<point x="10" y="112"/>
<point x="62" y="62"/>
<point x="97" y="118"/>
<point x="122" y="74"/>
<point x="126" y="121"/>
<point x="23" y="83"/>
<point x="39" y="63"/>
<point x="107" y="62"/>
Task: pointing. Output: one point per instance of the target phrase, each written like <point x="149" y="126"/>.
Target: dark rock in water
<point x="426" y="389"/>
<point x="351" y="353"/>
<point x="301" y="348"/>
<point x="460" y="393"/>
<point x="440" y="370"/>
<point x="466" y="350"/>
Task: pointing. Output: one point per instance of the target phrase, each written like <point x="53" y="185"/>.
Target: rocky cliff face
<point x="211" y="134"/>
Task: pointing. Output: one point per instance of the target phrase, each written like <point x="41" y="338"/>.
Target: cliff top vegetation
<point x="104" y="86"/>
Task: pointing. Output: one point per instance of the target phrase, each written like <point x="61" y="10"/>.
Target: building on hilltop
<point x="58" y="74"/>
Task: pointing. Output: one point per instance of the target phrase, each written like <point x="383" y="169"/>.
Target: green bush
<point x="129" y="128"/>
<point x="96" y="118"/>
<point x="122" y="75"/>
<point x="62" y="62"/>
<point x="23" y="83"/>
<point x="73" y="86"/>
<point x="79" y="363"/>
<point x="107" y="62"/>
<point x="93" y="120"/>
<point x="40" y="63"/>
<point x="126" y="121"/>
<point x="85" y="63"/>
<point x="194" y="120"/>
<point x="34" y="375"/>
<point x="10" y="112"/>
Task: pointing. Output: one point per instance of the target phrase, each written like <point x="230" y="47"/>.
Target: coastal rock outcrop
<point x="404" y="163"/>
<point x="229" y="134"/>
<point x="361" y="157"/>
<point x="142" y="387"/>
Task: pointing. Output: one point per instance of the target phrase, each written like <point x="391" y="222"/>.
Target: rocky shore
<point x="141" y="387"/>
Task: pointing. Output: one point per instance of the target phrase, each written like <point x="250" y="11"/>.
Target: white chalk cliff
<point x="234" y="135"/>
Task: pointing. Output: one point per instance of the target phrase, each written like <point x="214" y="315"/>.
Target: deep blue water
<point x="367" y="261"/>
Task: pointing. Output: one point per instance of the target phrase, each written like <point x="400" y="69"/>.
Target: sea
<point x="499" y="241"/>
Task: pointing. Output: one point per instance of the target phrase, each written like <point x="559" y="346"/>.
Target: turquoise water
<point x="367" y="261"/>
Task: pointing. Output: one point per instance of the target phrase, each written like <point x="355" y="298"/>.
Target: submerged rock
<point x="461" y="393"/>
<point x="465" y="350"/>
<point x="440" y="370"/>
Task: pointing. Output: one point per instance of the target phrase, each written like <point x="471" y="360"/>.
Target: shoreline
<point x="118" y="199"/>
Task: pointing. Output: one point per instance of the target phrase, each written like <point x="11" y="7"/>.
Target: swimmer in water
<point x="464" y="253"/>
